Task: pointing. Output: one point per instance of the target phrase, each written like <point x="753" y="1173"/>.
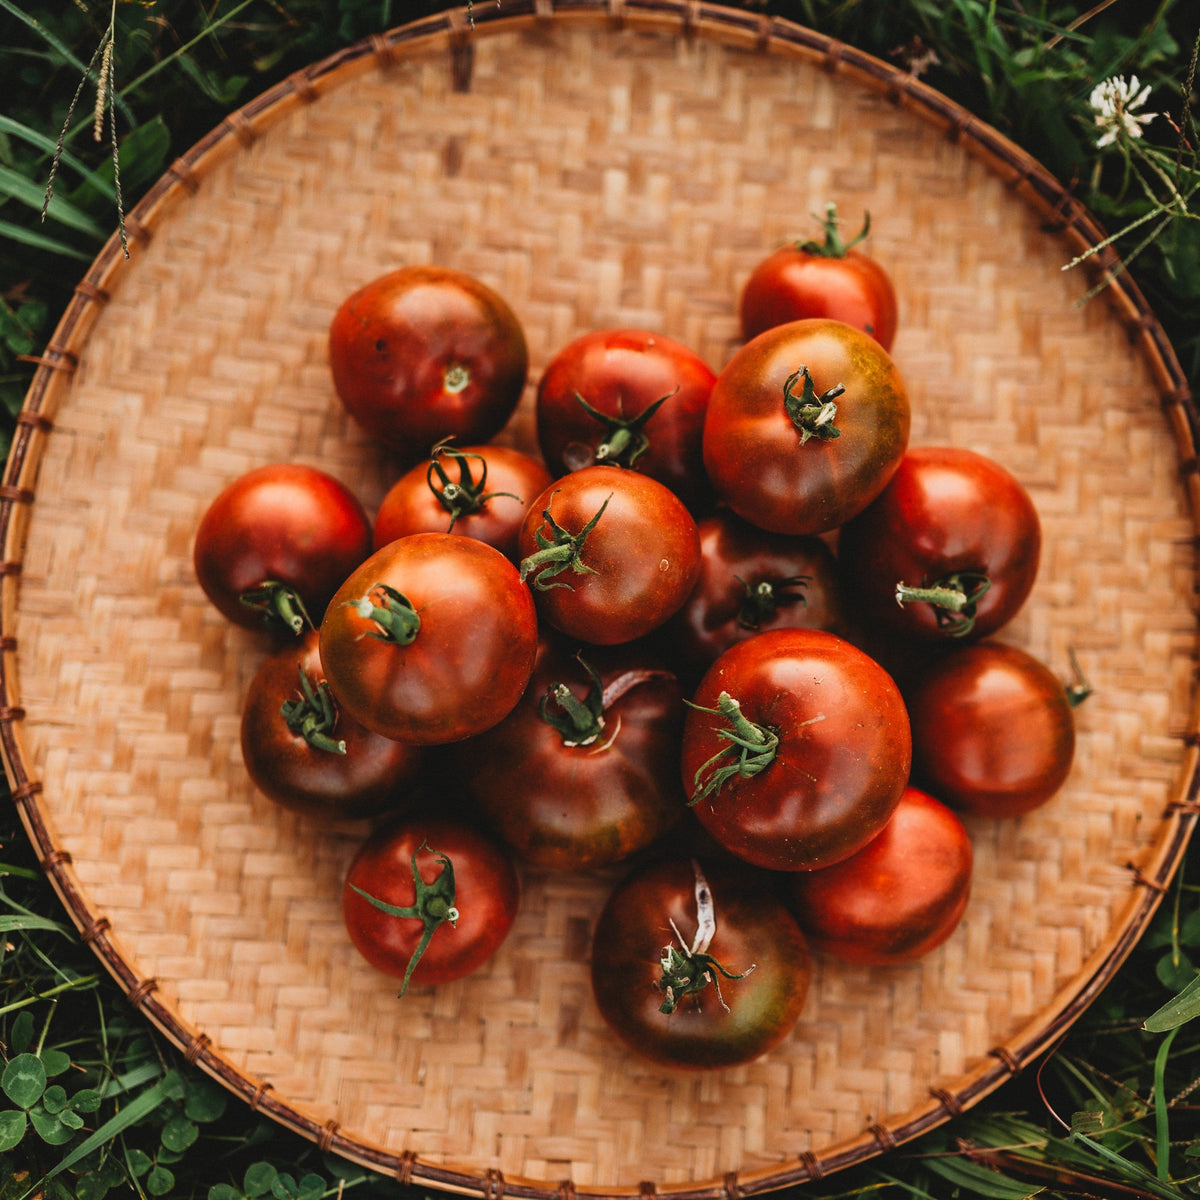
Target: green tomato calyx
<point x="766" y="597"/>
<point x="955" y="600"/>
<point x="812" y="415"/>
<point x="313" y="716"/>
<point x="279" y="605"/>
<point x="625" y="439"/>
<point x="558" y="551"/>
<point x="753" y="747"/>
<point x="833" y="246"/>
<point x="462" y="495"/>
<point x="395" y="618"/>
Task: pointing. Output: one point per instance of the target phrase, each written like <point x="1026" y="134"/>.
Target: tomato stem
<point x="812" y="415"/>
<point x="955" y="599"/>
<point x="754" y="745"/>
<point x="1080" y="687"/>
<point x="279" y="605"/>
<point x="766" y="597"/>
<point x="313" y="716"/>
<point x="462" y="496"/>
<point x="579" y="722"/>
<point x="625" y="440"/>
<point x="833" y="246"/>
<point x="433" y="905"/>
<point x="559" y="551"/>
<point x="394" y="614"/>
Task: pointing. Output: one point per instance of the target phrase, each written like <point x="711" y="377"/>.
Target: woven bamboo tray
<point x="599" y="164"/>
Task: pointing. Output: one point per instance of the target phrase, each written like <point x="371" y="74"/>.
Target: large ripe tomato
<point x="993" y="730"/>
<point x="609" y="553"/>
<point x="796" y="749"/>
<point x="821" y="279"/>
<point x="950" y="548"/>
<point x="627" y="397"/>
<point x="305" y="755"/>
<point x="805" y="425"/>
<point x="585" y="770"/>
<point x="698" y="965"/>
<point x="451" y="921"/>
<point x="427" y="352"/>
<point x="431" y="640"/>
<point x="276" y="543"/>
<point x="482" y="492"/>
<point x="751" y="581"/>
<point x="900" y="897"/>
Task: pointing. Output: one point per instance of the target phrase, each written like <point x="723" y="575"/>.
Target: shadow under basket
<point x="599" y="165"/>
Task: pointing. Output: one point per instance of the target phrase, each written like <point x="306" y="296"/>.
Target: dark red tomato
<point x="950" y="548"/>
<point x="821" y="279"/>
<point x="585" y="770"/>
<point x="796" y="749"/>
<point x="751" y="581"/>
<point x="276" y="533"/>
<point x="631" y="398"/>
<point x="427" y="352"/>
<point x="456" y="917"/>
<point x="482" y="492"/>
<point x="993" y="730"/>
<point x="805" y="425"/>
<point x="609" y="553"/>
<point x="900" y="897"/>
<point x="431" y="640"/>
<point x="698" y="966"/>
<point x="305" y="755"/>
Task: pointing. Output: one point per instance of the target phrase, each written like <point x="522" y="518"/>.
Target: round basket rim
<point x="455" y="31"/>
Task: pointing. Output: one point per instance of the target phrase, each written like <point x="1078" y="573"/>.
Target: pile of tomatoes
<point x="727" y="629"/>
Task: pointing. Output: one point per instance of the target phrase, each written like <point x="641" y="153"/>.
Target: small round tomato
<point x="276" y="543"/>
<point x="431" y="640"/>
<point x="900" y="897"/>
<point x="993" y="730"/>
<point x="631" y="398"/>
<point x="427" y="352"/>
<point x="805" y="425"/>
<point x="305" y="755"/>
<point x="482" y="492"/>
<point x="751" y="581"/>
<point x="609" y="553"/>
<point x="796" y="749"/>
<point x="698" y="965"/>
<point x="429" y="899"/>
<point x="821" y="279"/>
<point x="950" y="548"/>
<point x="585" y="770"/>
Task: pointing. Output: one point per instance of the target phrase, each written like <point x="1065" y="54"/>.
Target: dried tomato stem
<point x="812" y="415"/>
<point x="766" y="597"/>
<point x="955" y="599"/>
<point x="1080" y="687"/>
<point x="558" y="552"/>
<point x="396" y="619"/>
<point x="279" y="604"/>
<point x="754" y="745"/>
<point x="313" y="716"/>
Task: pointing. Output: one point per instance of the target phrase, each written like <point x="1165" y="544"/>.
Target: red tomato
<point x="427" y="352"/>
<point x="585" y="770"/>
<point x="456" y="918"/>
<point x="276" y="535"/>
<point x="751" y="581"/>
<point x="431" y="640"/>
<point x="993" y="730"/>
<point x="630" y="398"/>
<point x="698" y="966"/>
<point x="900" y="897"/>
<point x="796" y="749"/>
<point x="821" y="279"/>
<point x="482" y="492"/>
<point x="610" y="554"/>
<point x="805" y="425"/>
<point x="950" y="547"/>
<point x="304" y="754"/>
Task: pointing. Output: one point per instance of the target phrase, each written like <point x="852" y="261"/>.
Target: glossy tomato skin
<point x="507" y="479"/>
<point x="470" y="659"/>
<point x="843" y="756"/>
<point x="753" y="450"/>
<point x="487" y="896"/>
<point x="794" y="283"/>
<point x="752" y="581"/>
<point x="568" y="804"/>
<point x="753" y="928"/>
<point x="947" y="510"/>
<point x="993" y="730"/>
<point x="426" y="352"/>
<point x="641" y="556"/>
<point x="900" y="897"/>
<point x="285" y="523"/>
<point x="372" y="775"/>
<point x="621" y="373"/>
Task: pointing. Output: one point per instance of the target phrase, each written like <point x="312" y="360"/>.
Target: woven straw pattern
<point x="596" y="176"/>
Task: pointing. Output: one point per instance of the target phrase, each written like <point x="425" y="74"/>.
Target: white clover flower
<point x="1114" y="103"/>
